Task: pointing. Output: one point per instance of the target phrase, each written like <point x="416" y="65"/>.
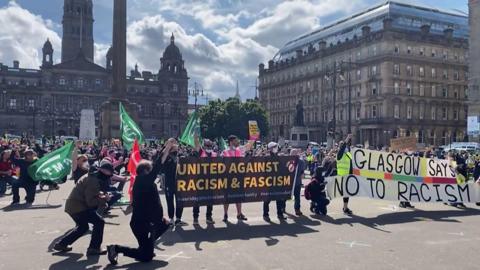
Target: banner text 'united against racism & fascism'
<point x="395" y="177"/>
<point x="223" y="180"/>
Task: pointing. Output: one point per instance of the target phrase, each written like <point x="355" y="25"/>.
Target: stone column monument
<point x="299" y="133"/>
<point x="474" y="70"/>
<point x="110" y="120"/>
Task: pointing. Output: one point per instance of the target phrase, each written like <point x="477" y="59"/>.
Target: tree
<point x="223" y="118"/>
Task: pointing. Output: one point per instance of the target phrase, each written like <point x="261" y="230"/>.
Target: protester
<point x="82" y="204"/>
<point x="5" y="171"/>
<point x="24" y="181"/>
<point x="234" y="150"/>
<point x="147" y="221"/>
<point x="273" y="152"/>
<point x="344" y="166"/>
<point x="206" y="152"/>
<point x="298" y="181"/>
<point x="169" y="168"/>
<point x="315" y="191"/>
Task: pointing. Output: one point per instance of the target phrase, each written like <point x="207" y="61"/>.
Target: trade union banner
<point x="388" y="176"/>
<point x="220" y="180"/>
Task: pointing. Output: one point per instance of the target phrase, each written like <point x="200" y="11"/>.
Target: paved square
<point x="379" y="236"/>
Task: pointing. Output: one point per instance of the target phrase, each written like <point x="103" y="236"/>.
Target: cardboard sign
<point x="87" y="125"/>
<point x="253" y="130"/>
<point x="409" y="143"/>
<point x="223" y="180"/>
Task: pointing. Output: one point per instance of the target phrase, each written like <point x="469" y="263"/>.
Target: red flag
<point x="132" y="166"/>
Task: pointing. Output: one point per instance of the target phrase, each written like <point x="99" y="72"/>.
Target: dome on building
<point x="47" y="47"/>
<point x="172" y="51"/>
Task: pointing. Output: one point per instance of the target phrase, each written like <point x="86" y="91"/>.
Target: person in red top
<point x="6" y="171"/>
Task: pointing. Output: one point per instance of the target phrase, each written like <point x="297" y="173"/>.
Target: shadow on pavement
<point x="139" y="265"/>
<point x="72" y="262"/>
<point x="403" y="217"/>
<point x="29" y="207"/>
<point x="239" y="231"/>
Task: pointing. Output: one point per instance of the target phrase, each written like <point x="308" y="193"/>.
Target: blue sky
<point x="222" y="41"/>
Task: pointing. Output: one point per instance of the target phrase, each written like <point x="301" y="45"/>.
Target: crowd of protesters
<point x="99" y="173"/>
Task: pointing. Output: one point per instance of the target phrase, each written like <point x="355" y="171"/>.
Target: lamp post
<point x="33" y="108"/>
<point x="196" y="92"/>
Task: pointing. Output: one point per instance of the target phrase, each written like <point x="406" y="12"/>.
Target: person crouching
<point x="147" y="222"/>
<point x="315" y="191"/>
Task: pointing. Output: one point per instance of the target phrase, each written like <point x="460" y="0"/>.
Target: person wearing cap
<point x="273" y="149"/>
<point x="24" y="181"/>
<point x="205" y="152"/>
<point x="234" y="150"/>
<point x="82" y="204"/>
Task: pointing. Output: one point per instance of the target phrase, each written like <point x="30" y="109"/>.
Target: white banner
<point x="87" y="125"/>
<point x="354" y="185"/>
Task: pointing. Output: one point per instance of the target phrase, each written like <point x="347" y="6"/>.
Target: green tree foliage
<point x="223" y="118"/>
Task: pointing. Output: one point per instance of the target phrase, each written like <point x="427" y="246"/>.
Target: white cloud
<point x="23" y="34"/>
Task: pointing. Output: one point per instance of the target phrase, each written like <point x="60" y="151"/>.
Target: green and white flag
<point x="193" y="126"/>
<point x="53" y="166"/>
<point x="222" y="144"/>
<point x="129" y="130"/>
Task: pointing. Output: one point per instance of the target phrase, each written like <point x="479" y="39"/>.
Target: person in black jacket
<point x="25" y="181"/>
<point x="147" y="221"/>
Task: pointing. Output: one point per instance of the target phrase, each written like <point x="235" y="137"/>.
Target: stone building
<point x="48" y="101"/>
<point x="408" y="73"/>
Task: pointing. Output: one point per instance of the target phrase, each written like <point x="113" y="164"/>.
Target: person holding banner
<point x="205" y="152"/>
<point x="234" y="150"/>
<point x="344" y="166"/>
<point x="297" y="188"/>
<point x="25" y="181"/>
<point x="273" y="152"/>
<point x="169" y="159"/>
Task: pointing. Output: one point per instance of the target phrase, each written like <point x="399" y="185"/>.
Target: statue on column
<point x="299" y="122"/>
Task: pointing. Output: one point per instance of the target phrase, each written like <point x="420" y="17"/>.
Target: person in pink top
<point x="234" y="150"/>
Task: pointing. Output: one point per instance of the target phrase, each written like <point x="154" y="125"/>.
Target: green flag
<point x="222" y="144"/>
<point x="53" y="166"/>
<point x="129" y="130"/>
<point x="193" y="126"/>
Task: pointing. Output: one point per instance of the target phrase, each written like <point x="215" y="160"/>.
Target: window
<point x="421" y="113"/>
<point x="175" y="88"/>
<point x="421" y="72"/>
<point x="445" y="74"/>
<point x="445" y="55"/>
<point x="409" y="89"/>
<point x="396" y="111"/>
<point x="396" y="49"/>
<point x="359" y="74"/>
<point x="12" y="104"/>
<point x="466" y="92"/>
<point x="409" y="111"/>
<point x="341" y="115"/>
<point x="359" y="91"/>
<point x="409" y="71"/>
<point x="374" y="89"/>
<point x="434" y="53"/>
<point x="80" y="82"/>
<point x="434" y="113"/>
<point x="374" y="111"/>
<point x="434" y="91"/>
<point x="31" y="103"/>
<point x="357" y="113"/>
<point x="455" y="93"/>
<point x="396" y="69"/>
<point x="98" y="82"/>
<point x="396" y="88"/>
<point x="444" y="113"/>
<point x="422" y="90"/>
<point x="409" y="50"/>
<point x="61" y="81"/>
<point x="420" y="136"/>
<point x="455" y="114"/>
<point x="422" y="51"/>
<point x="373" y="70"/>
<point x="456" y="76"/>
<point x="444" y="92"/>
<point x="374" y="49"/>
<point x="434" y="73"/>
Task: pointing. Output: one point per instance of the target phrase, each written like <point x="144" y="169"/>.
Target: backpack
<point x="309" y="188"/>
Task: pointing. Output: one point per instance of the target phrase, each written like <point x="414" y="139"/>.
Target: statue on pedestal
<point x="299" y="120"/>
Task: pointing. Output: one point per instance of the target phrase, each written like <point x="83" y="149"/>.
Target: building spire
<point x="237" y="92"/>
<point x="172" y="39"/>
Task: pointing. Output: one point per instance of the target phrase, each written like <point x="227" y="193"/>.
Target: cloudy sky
<point x="222" y="41"/>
